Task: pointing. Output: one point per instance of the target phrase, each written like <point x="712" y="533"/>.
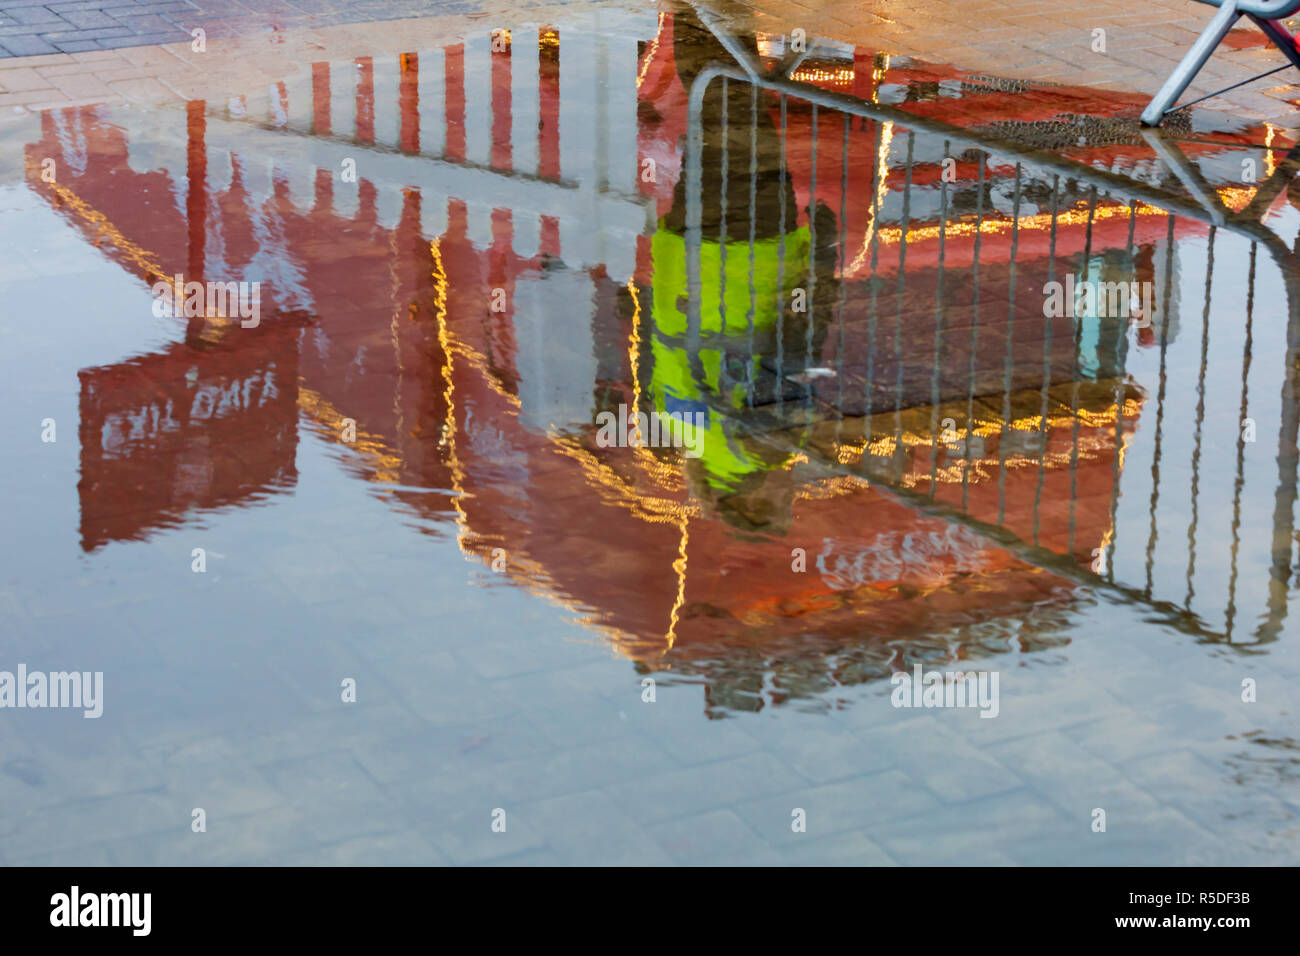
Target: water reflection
<point x="468" y="255"/>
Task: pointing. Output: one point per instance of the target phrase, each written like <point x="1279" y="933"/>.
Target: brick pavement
<point x="248" y="55"/>
<point x="243" y="54"/>
<point x="1054" y="42"/>
<point x="70" y="52"/>
<point x="41" y="27"/>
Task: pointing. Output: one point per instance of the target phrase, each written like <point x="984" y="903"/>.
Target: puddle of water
<point x="910" y="393"/>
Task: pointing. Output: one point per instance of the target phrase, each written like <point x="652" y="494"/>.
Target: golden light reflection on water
<point x="384" y="465"/>
<point x="882" y="188"/>
<point x="993" y="226"/>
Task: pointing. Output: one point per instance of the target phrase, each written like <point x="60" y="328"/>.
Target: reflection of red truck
<point x="403" y="338"/>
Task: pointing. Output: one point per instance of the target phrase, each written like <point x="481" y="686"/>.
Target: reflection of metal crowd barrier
<point x="1206" y="210"/>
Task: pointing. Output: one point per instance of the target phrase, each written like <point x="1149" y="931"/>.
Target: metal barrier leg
<point x="1191" y="64"/>
<point x="1187" y="174"/>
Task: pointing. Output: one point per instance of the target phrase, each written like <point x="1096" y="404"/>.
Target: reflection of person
<point x="751" y="270"/>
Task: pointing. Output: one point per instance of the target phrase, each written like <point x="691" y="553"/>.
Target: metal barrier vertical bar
<point x="780" y="264"/>
<point x="753" y="217"/>
<point x="1154" y="533"/>
<point x="1288" y="468"/>
<point x="938" y="335"/>
<point x="1200" y="419"/>
<point x="810" y="292"/>
<point x="1008" y="366"/>
<point x="974" y="337"/>
<point x="724" y="162"/>
<point x="1231" y="610"/>
<point x="1121" y="332"/>
<point x="843" y="289"/>
<point x="902" y="285"/>
<point x="1074" y="385"/>
<point x="873" y="315"/>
